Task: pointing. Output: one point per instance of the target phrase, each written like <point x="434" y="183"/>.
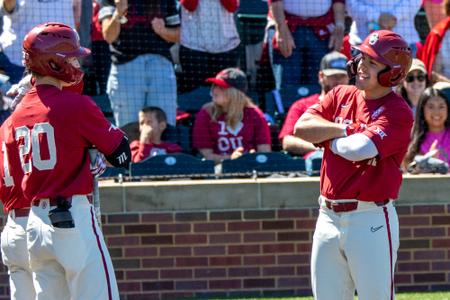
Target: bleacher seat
<point x="173" y="166"/>
<point x="263" y="164"/>
<point x="192" y="101"/>
<point x="316" y="165"/>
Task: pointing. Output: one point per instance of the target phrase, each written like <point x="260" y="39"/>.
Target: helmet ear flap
<point x="390" y="77"/>
<point x="352" y="65"/>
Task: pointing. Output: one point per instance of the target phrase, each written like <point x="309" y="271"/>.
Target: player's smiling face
<point x="435" y="113"/>
<point x="367" y="77"/>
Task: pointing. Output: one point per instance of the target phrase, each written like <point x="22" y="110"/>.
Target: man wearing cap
<point x="333" y="72"/>
<point x="230" y="125"/>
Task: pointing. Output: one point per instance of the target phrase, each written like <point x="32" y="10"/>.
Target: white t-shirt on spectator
<point x="26" y="15"/>
<point x="307" y="8"/>
<point x="210" y="28"/>
<point x="365" y="11"/>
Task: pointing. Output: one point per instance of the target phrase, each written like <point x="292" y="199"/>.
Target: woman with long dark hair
<point x="431" y="129"/>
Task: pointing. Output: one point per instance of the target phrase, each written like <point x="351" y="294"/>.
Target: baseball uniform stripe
<point x="388" y="227"/>
<point x="105" y="267"/>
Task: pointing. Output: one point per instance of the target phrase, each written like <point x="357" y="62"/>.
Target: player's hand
<point x="18" y="90"/>
<point x="355" y="127"/>
<point x="158" y="26"/>
<point x="98" y="165"/>
<point x="284" y="40"/>
<point x="238" y="152"/>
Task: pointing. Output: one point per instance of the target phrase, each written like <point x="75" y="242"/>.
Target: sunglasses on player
<point x="411" y="78"/>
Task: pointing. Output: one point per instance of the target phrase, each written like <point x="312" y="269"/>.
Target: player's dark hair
<point x="159" y="113"/>
<point x="420" y="125"/>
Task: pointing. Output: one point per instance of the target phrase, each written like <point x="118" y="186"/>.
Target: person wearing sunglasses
<point x="415" y="82"/>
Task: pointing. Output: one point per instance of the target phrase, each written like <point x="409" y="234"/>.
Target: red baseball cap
<point x="231" y="77"/>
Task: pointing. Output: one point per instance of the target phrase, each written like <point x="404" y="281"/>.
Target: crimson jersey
<point x="53" y="130"/>
<point x="389" y="121"/>
<point x="249" y="133"/>
<point x="295" y="112"/>
<point x="142" y="151"/>
<point x="11" y="171"/>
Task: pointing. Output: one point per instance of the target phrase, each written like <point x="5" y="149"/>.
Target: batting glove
<point x="98" y="166"/>
<point x="18" y="90"/>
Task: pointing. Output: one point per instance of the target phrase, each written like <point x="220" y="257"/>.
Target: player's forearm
<point x="8" y="5"/>
<point x="296" y="145"/>
<point x="355" y="147"/>
<point x="315" y="130"/>
<point x="111" y="28"/>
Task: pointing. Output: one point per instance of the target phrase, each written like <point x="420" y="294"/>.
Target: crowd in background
<point x="238" y="74"/>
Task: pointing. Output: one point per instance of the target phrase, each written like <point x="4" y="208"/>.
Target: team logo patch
<point x="374" y="37"/>
<point x="380" y="132"/>
<point x="377" y="113"/>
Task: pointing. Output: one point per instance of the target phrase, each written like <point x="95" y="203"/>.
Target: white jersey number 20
<point x="31" y="143"/>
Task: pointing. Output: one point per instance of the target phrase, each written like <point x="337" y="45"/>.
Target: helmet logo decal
<point x="374" y="37"/>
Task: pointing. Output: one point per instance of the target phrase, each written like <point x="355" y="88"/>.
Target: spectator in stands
<point x="209" y="40"/>
<point x="394" y="15"/>
<point x="412" y="87"/>
<point x="231" y="124"/>
<point x="436" y="50"/>
<point x="434" y="11"/>
<point x="333" y="72"/>
<point x="142" y="74"/>
<point x="98" y="64"/>
<point x="432" y="124"/>
<point x="299" y="34"/>
<point x="20" y="17"/>
<point x="152" y="123"/>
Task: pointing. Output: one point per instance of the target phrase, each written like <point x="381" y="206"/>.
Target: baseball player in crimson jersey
<point x="365" y="131"/>
<point x="54" y="128"/>
<point x="17" y="207"/>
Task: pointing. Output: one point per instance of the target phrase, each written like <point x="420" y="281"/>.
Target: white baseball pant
<point x="70" y="263"/>
<point x="355" y="250"/>
<point x="15" y="257"/>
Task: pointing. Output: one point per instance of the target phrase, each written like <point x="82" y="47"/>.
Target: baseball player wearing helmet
<point x="53" y="129"/>
<point x="365" y="131"/>
<point x="17" y="207"/>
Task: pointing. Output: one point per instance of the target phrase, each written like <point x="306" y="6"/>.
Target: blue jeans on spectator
<point x="147" y="80"/>
<point x="302" y="67"/>
<point x="14" y="72"/>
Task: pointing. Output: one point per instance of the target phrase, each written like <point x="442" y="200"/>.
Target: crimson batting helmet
<point x="47" y="49"/>
<point x="390" y="49"/>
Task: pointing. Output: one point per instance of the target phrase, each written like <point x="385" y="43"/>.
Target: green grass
<point x="403" y="296"/>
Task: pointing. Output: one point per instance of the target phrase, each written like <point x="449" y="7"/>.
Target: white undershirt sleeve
<point x="355" y="147"/>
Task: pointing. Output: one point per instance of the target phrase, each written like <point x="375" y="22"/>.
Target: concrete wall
<point x="209" y="238"/>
